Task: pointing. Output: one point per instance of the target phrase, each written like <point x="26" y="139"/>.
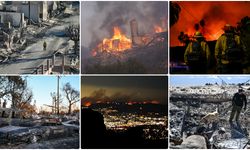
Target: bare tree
<point x="15" y="89"/>
<point x="73" y="32"/>
<point x="71" y="94"/>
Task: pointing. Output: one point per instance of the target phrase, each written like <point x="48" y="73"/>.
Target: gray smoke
<point x="99" y="18"/>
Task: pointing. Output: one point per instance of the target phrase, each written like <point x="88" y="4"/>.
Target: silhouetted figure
<point x="4" y="104"/>
<point x="93" y="128"/>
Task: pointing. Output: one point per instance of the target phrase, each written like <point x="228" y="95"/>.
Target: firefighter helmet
<point x="228" y="27"/>
<point x="198" y="35"/>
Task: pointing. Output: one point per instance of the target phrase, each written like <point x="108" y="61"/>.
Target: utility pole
<point x="58" y="94"/>
<point x="29" y="14"/>
<point x="53" y="106"/>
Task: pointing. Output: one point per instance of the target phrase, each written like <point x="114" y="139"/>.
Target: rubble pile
<point x="187" y="110"/>
<point x="142" y="56"/>
<point x="17" y="134"/>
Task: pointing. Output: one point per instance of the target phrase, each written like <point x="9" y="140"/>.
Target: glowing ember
<point x="155" y="102"/>
<point x="119" y="42"/>
<point x="158" y="29"/>
<point x="144" y="102"/>
<point x="87" y="104"/>
<point x="98" y="102"/>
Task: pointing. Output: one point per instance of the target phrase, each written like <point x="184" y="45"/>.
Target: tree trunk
<point x="75" y="46"/>
<point x="69" y="112"/>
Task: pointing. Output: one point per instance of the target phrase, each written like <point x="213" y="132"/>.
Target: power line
<point x="196" y="19"/>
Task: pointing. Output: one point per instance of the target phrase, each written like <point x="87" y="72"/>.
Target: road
<point x="34" y="55"/>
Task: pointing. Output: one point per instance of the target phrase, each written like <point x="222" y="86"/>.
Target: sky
<point x="42" y="86"/>
<point x="138" y="88"/>
<point x="201" y="80"/>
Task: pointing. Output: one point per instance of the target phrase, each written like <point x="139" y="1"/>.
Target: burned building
<point x="36" y="11"/>
<point x="16" y="12"/>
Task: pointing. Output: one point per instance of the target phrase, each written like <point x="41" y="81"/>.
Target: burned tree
<point x="71" y="94"/>
<point x="175" y="10"/>
<point x="73" y="32"/>
<point x="61" y="6"/>
<point x="19" y="94"/>
<point x="15" y="90"/>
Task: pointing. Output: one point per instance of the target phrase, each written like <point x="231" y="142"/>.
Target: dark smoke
<point x="100" y="94"/>
<point x="213" y="13"/>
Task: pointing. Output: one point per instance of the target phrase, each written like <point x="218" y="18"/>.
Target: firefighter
<point x="229" y="52"/>
<point x="44" y="45"/>
<point x="239" y="99"/>
<point x="197" y="54"/>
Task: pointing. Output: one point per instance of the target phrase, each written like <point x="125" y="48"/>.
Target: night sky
<point x="124" y="88"/>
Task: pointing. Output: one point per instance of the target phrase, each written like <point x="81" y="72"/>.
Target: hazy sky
<point x="144" y="88"/>
<point x="201" y="80"/>
<point x="42" y="86"/>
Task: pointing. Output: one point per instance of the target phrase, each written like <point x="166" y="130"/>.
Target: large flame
<point x="215" y="15"/>
<point x="119" y="42"/>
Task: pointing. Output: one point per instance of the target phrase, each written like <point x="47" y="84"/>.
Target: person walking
<point x="239" y="100"/>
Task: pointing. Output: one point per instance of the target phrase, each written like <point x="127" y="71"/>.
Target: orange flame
<point x="87" y="104"/>
<point x="118" y="42"/>
<point x="158" y="29"/>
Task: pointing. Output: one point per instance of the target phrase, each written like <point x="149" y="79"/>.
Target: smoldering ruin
<point x="188" y="107"/>
<point x="119" y="34"/>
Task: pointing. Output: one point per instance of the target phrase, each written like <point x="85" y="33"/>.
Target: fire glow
<point x="118" y="42"/>
<point x="144" y="102"/>
<point x="214" y="14"/>
<point x="158" y="29"/>
<point x="87" y="104"/>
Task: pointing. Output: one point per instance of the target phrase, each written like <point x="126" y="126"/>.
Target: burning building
<point x="121" y="35"/>
<point x="120" y="42"/>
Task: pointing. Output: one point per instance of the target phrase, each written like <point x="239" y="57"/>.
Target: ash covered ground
<point x="29" y="134"/>
<point x="187" y="107"/>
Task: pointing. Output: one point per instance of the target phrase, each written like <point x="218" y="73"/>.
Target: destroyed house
<point x="35" y="11"/>
<point x="10" y="113"/>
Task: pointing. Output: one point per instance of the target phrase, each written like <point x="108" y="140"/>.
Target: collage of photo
<point x="124" y="74"/>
